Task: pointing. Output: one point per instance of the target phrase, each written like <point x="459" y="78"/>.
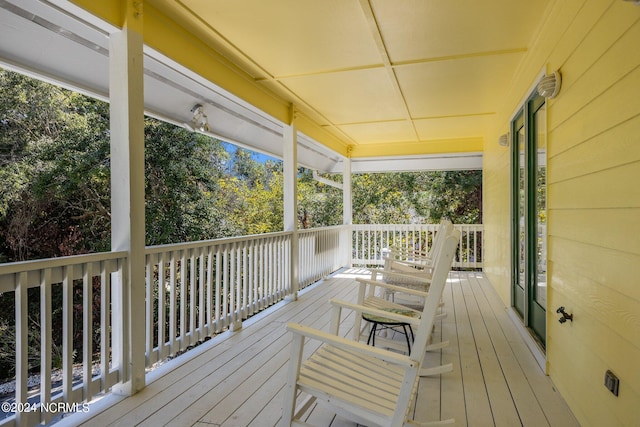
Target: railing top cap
<point x="23" y="266"/>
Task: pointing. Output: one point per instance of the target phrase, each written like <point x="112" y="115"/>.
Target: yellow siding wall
<point x="593" y="201"/>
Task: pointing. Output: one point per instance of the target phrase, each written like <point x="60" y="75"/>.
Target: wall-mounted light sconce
<point x="504" y="140"/>
<point x="199" y="122"/>
<point x="549" y="86"/>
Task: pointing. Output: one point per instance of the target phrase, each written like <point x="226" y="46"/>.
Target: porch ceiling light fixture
<point x="549" y="86"/>
<point x="199" y="122"/>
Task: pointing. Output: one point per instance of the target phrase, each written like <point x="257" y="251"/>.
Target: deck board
<point x="503" y="411"/>
<point x="526" y="406"/>
<point x="237" y="378"/>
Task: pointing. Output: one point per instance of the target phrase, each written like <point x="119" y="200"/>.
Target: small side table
<point x="381" y="323"/>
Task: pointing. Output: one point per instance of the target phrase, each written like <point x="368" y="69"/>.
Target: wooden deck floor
<point x="236" y="379"/>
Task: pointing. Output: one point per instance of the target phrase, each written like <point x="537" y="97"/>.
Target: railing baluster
<point x="234" y="275"/>
<point x="370" y="238"/>
<point x="475" y="248"/>
<point x="240" y="281"/>
<point x="250" y="284"/>
<point x="218" y="290"/>
<point x="243" y="282"/>
<point x="201" y="294"/>
<point x="173" y="309"/>
<point x="22" y="344"/>
<point x="192" y="297"/>
<point x="225" y="286"/>
<point x="257" y="273"/>
<point x="67" y="333"/>
<point x="235" y="291"/>
<point x="87" y="329"/>
<point x="260" y="273"/>
<point x="183" y="301"/>
<point x="254" y="277"/>
<point x="45" y="341"/>
<point x="280" y="261"/>
<point x="105" y="325"/>
<point x="119" y="348"/>
<point x="149" y="311"/>
<point x="270" y="271"/>
<point x="210" y="329"/>
<point x="162" y="349"/>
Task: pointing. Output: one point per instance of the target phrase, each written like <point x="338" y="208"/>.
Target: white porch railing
<point x="193" y="291"/>
<point x="322" y="251"/>
<point x="196" y="290"/>
<point x="72" y="281"/>
<point x="370" y="241"/>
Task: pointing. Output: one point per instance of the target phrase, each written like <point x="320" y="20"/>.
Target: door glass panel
<point x="540" y="291"/>
<point x="522" y="243"/>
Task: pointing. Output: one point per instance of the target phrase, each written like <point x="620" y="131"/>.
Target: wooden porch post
<point x="126" y="92"/>
<point x="290" y="166"/>
<point x="347" y="209"/>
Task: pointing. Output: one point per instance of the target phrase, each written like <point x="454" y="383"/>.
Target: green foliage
<point x="54" y="194"/>
<point x="182" y="174"/>
<point x="319" y="205"/>
<point x="417" y="197"/>
<point x="456" y="195"/>
<point x="382" y="198"/>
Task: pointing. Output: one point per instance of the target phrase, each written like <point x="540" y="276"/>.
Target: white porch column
<point x="347" y="209"/>
<point x="127" y="193"/>
<point x="290" y="167"/>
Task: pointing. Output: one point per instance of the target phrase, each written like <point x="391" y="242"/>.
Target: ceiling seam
<point x="460" y="57"/>
<point x="451" y="116"/>
<point x="399" y="64"/>
<point x="369" y="15"/>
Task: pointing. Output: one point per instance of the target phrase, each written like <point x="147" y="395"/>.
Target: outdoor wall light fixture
<point x="549" y="86"/>
<point x="199" y="122"/>
<point x="504" y="140"/>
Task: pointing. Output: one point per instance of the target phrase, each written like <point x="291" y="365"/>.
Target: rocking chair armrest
<point x="394" y="288"/>
<point x="395" y="256"/>
<point x="350" y="345"/>
<point x="421" y="278"/>
<point x="416" y="264"/>
<point x="362" y="309"/>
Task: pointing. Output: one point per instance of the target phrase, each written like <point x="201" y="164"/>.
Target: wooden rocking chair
<point x="374" y="294"/>
<point x="400" y="266"/>
<point x="365" y="384"/>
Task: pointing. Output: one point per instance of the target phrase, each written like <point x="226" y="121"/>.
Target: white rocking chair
<point x="374" y="294"/>
<point x="413" y="263"/>
<point x="365" y="384"/>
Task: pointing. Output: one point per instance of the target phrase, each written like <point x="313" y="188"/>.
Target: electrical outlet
<point x="611" y="382"/>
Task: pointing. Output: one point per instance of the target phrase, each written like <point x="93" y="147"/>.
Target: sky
<point x="262" y="158"/>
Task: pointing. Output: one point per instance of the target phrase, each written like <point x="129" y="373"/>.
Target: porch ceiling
<point x="372" y="79"/>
